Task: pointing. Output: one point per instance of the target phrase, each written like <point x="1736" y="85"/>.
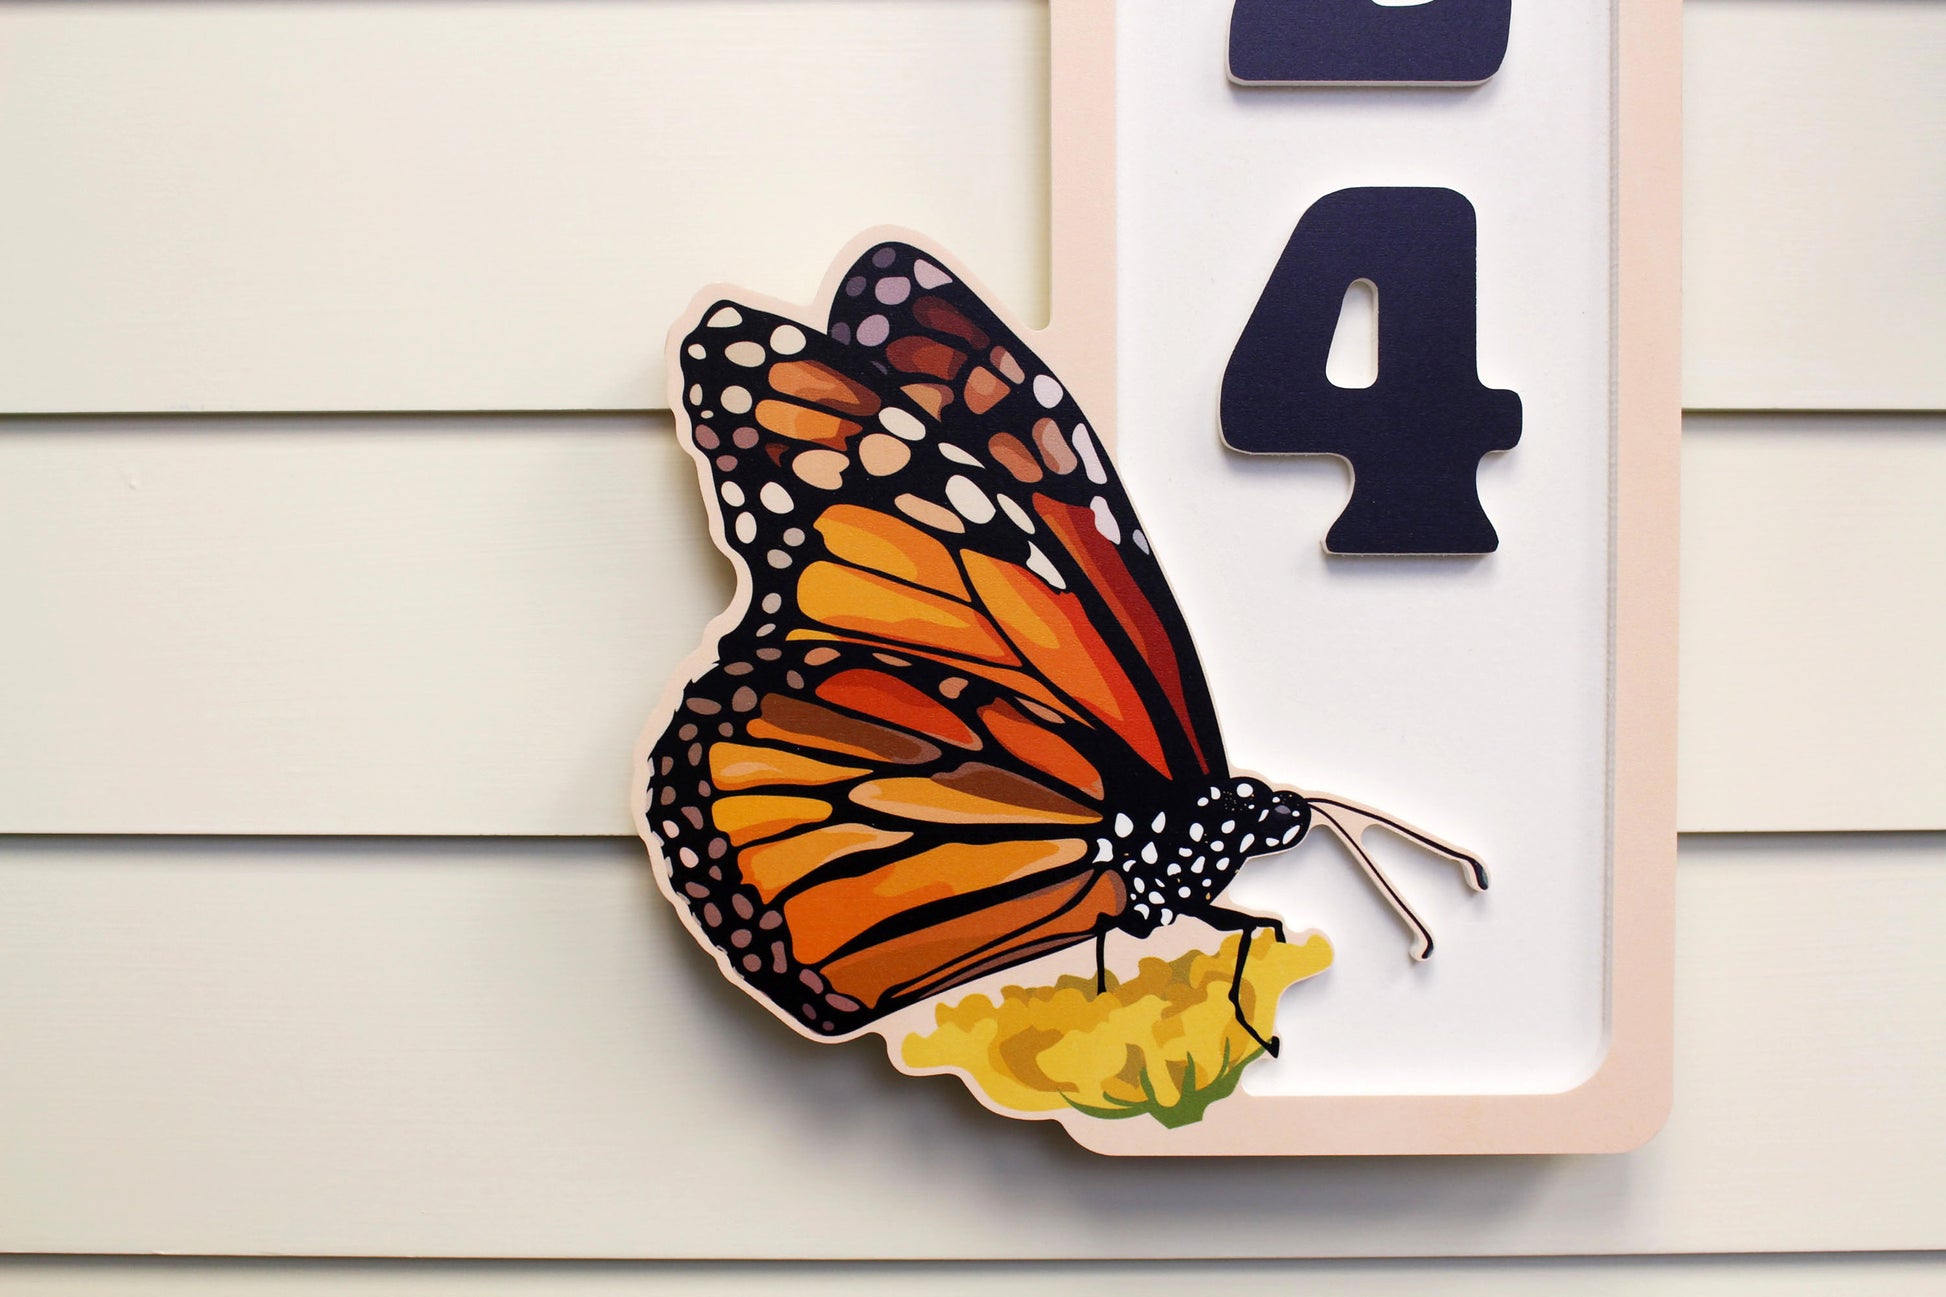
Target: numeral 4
<point x="1415" y="437"/>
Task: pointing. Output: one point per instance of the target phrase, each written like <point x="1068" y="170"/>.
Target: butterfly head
<point x="1286" y="818"/>
<point x="1257" y="818"/>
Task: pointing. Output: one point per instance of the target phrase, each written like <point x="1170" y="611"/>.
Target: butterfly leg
<point x="1348" y="823"/>
<point x="1101" y="959"/>
<point x="1245" y="926"/>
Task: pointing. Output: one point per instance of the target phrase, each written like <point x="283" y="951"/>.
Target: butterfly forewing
<point x="957" y="664"/>
<point x="945" y="348"/>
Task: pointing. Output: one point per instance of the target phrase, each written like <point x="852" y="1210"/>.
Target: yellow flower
<point x="1166" y="1042"/>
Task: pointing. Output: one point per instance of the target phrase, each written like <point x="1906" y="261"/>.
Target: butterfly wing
<point x="850" y="842"/>
<point x="898" y="772"/>
<point x="930" y="333"/>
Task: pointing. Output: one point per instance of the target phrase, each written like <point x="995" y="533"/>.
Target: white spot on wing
<point x="1038" y="564"/>
<point x="736" y="400"/>
<point x="959" y="456"/>
<point x="746" y="353"/>
<point x="775" y="498"/>
<point x="726" y="318"/>
<point x="900" y="424"/>
<point x="968" y="499"/>
<point x="1084" y="446"/>
<point x="746" y="528"/>
<point x="733" y="494"/>
<point x="1105" y="521"/>
<point x="1047" y="391"/>
<point x="787" y="340"/>
<point x="1017" y="514"/>
<point x="929" y="275"/>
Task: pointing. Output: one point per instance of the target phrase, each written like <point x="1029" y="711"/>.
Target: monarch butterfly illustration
<point x="953" y="719"/>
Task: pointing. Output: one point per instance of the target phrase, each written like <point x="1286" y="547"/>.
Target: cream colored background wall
<point x="343" y="651"/>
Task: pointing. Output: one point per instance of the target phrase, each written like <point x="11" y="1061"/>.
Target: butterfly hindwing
<point x="854" y="830"/>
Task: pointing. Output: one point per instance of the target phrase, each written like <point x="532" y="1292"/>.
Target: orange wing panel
<point x="1102" y="562"/>
<point x="855" y="600"/>
<point x="792" y="720"/>
<point x="1107" y="898"/>
<point x="916" y="355"/>
<point x="802" y="423"/>
<point x="876" y="694"/>
<point x="959" y="949"/>
<point x="1026" y="686"/>
<point x="972" y="794"/>
<point x="939" y="314"/>
<point x="870" y="539"/>
<point x="736" y="766"/>
<point x="826" y="916"/>
<point x="1041" y="748"/>
<point x="748" y="817"/>
<point x="1052" y="630"/>
<point x="984" y="389"/>
<point x="808" y="380"/>
<point x="772" y="866"/>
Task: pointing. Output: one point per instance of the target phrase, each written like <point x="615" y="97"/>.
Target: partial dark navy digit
<point x="1415" y="437"/>
<point x="1298" y="42"/>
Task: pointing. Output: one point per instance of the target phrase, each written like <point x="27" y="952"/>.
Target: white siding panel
<point x="481" y="1049"/>
<point x="447" y="625"/>
<point x="425" y="625"/>
<point x="476" y="204"/>
<point x="1813" y="623"/>
<point x="483" y="205"/>
<point x="1815" y="193"/>
<point x="1881" y="1276"/>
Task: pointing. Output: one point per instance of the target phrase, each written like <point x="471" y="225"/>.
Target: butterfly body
<point x="953" y="720"/>
<point x="1180" y="860"/>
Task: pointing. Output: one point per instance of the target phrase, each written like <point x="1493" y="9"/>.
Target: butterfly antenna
<point x="1348" y="822"/>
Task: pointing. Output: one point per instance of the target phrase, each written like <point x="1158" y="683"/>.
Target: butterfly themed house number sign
<point x="948" y="772"/>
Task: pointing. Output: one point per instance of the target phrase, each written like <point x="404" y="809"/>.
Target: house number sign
<point x="1233" y="716"/>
